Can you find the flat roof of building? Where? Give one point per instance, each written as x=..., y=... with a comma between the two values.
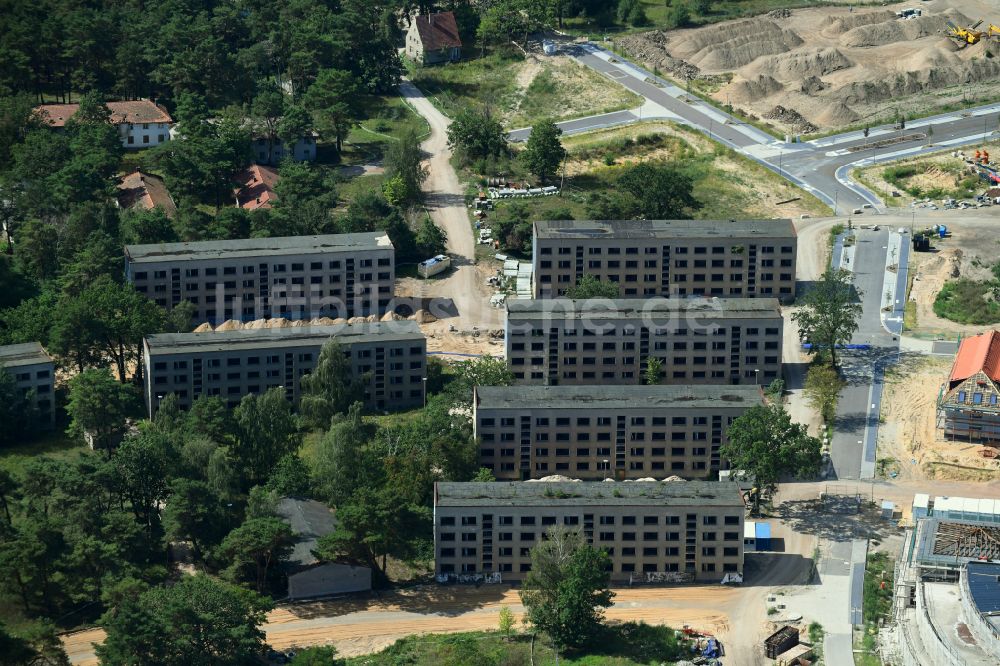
x=618, y=397
x=639, y=308
x=571, y=493
x=665, y=229
x=257, y=247
x=28, y=353
x=280, y=338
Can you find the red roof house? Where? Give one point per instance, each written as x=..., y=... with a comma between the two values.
x=433, y=38
x=145, y=191
x=256, y=188
x=141, y=123
x=969, y=403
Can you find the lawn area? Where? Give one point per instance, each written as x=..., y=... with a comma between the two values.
x=877, y=605
x=522, y=91
x=384, y=118
x=55, y=444
x=727, y=185
x=625, y=645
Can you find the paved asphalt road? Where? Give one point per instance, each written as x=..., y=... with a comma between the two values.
x=818, y=166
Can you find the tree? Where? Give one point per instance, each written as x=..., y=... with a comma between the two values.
x=653, y=374
x=660, y=192
x=431, y=239
x=305, y=198
x=341, y=465
x=631, y=12
x=257, y=543
x=372, y=525
x=199, y=621
x=36, y=644
x=830, y=312
x=589, y=286
x=333, y=99
x=98, y=406
x=823, y=385
x=765, y=445
x=265, y=431
x=143, y=466
x=331, y=388
x=290, y=477
x=483, y=371
x=544, y=152
x=403, y=158
x=484, y=475
x=194, y=513
x=475, y=134
x=292, y=126
x=506, y=623
x=679, y=15
x=567, y=588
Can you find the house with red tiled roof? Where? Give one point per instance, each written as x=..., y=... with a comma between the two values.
x=433, y=38
x=145, y=191
x=968, y=405
x=141, y=123
x=256, y=187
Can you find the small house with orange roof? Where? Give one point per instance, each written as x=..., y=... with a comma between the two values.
x=969, y=402
x=256, y=187
x=145, y=191
x=433, y=39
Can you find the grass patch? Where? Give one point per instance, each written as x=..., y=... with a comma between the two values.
x=566, y=89
x=384, y=118
x=628, y=644
x=968, y=301
x=55, y=444
x=455, y=85
x=835, y=231
x=876, y=607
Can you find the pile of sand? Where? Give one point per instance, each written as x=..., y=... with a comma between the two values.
x=917, y=82
x=742, y=91
x=741, y=44
x=800, y=64
x=894, y=30
x=838, y=25
x=837, y=114
x=790, y=118
x=204, y=328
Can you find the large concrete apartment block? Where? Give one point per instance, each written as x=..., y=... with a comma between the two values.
x=648, y=528
x=34, y=375
x=724, y=258
x=232, y=364
x=598, y=341
x=296, y=277
x=600, y=432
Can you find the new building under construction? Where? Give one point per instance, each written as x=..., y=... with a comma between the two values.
x=968, y=406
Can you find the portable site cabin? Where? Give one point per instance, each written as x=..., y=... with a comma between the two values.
x=921, y=505
x=756, y=536
x=434, y=265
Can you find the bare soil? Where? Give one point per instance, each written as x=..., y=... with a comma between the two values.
x=827, y=68
x=910, y=435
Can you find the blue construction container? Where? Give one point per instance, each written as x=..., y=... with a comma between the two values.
x=763, y=536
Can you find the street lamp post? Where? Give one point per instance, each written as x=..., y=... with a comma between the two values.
x=424, y=382
x=607, y=467
x=756, y=376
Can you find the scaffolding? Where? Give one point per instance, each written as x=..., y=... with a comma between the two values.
x=965, y=541
x=963, y=423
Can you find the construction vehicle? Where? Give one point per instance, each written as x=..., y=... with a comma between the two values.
x=966, y=36
x=994, y=31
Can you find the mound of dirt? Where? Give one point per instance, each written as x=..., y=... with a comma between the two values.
x=838, y=25
x=743, y=91
x=714, y=50
x=894, y=30
x=651, y=48
x=917, y=82
x=836, y=114
x=791, y=118
x=802, y=63
x=204, y=328
x=813, y=85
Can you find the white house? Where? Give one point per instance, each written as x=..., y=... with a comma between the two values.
x=141, y=123
x=304, y=150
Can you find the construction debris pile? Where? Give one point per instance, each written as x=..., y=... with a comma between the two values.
x=826, y=68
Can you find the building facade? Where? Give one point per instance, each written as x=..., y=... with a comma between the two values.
x=691, y=530
x=968, y=407
x=274, y=150
x=598, y=341
x=296, y=277
x=724, y=258
x=433, y=39
x=34, y=376
x=391, y=356
x=141, y=123
x=600, y=432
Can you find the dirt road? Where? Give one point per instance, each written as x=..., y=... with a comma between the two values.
x=462, y=295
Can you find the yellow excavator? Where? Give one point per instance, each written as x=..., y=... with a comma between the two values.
x=967, y=35
x=994, y=31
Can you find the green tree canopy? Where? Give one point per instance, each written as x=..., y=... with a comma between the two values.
x=566, y=591
x=331, y=388
x=590, y=286
x=830, y=312
x=256, y=544
x=660, y=192
x=544, y=152
x=475, y=134
x=99, y=405
x=265, y=431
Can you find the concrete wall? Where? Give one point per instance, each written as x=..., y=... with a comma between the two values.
x=37, y=380
x=327, y=579
x=143, y=135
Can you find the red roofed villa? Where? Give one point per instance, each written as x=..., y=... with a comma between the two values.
x=141, y=123
x=969, y=403
x=256, y=187
x=146, y=191
x=433, y=38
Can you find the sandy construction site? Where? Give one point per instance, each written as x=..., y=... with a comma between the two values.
x=809, y=70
